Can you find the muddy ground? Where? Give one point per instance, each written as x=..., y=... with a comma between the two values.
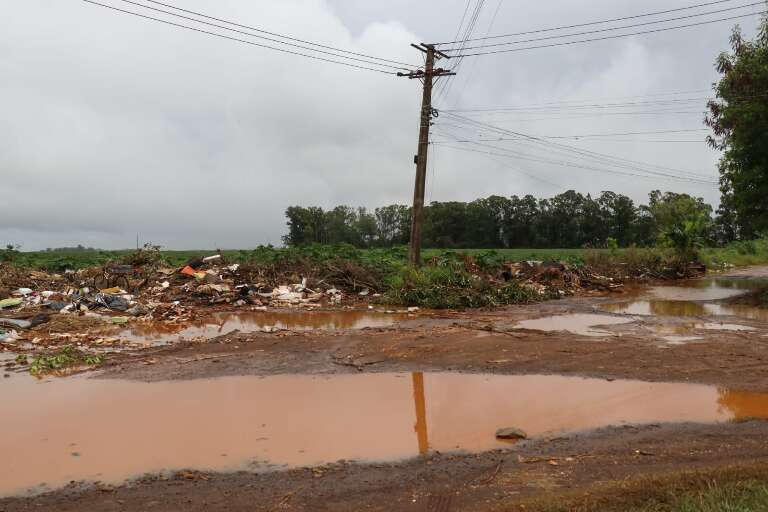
x=648, y=348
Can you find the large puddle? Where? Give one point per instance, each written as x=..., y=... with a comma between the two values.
x=108, y=430
x=255, y=321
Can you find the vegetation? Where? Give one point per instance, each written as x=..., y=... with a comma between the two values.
x=569, y=219
x=742, y=488
x=64, y=357
x=449, y=282
x=739, y=121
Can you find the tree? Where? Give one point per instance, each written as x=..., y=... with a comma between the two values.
x=518, y=226
x=739, y=121
x=305, y=225
x=682, y=222
x=620, y=215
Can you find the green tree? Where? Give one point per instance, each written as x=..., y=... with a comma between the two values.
x=518, y=226
x=682, y=222
x=620, y=216
x=739, y=121
x=305, y=225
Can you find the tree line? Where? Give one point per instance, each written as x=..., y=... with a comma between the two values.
x=566, y=220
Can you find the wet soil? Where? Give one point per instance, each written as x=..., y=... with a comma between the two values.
x=699, y=336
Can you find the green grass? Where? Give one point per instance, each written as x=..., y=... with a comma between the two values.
x=749, y=496
x=739, y=488
x=738, y=254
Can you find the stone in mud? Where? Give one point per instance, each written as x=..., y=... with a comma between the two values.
x=511, y=433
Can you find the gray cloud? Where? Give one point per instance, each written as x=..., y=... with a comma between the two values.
x=111, y=125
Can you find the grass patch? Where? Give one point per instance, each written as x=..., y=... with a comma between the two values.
x=730, y=489
x=752, y=252
x=66, y=357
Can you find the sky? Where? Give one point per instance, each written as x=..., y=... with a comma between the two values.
x=113, y=126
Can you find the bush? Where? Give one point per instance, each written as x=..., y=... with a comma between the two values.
x=452, y=287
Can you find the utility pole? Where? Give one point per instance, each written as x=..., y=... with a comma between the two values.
x=427, y=76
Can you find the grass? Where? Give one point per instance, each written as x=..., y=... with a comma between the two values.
x=754, y=252
x=746, y=496
x=738, y=254
x=742, y=488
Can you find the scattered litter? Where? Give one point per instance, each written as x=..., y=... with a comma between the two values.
x=10, y=303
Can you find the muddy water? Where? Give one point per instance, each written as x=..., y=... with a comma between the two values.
x=696, y=299
x=585, y=325
x=253, y=321
x=85, y=429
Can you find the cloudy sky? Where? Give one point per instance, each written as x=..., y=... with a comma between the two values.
x=112, y=125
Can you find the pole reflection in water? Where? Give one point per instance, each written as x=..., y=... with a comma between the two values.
x=421, y=412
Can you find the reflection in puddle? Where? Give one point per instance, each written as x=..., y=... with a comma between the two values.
x=690, y=299
x=685, y=309
x=585, y=325
x=122, y=429
x=251, y=321
x=706, y=289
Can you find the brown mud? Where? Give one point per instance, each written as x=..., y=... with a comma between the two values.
x=695, y=335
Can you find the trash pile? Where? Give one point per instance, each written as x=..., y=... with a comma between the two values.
x=556, y=276
x=119, y=294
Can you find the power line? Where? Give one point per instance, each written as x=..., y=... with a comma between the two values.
x=603, y=30
x=579, y=166
x=582, y=107
x=366, y=61
x=592, y=115
x=283, y=50
x=202, y=15
x=474, y=62
x=592, y=135
x=605, y=38
x=467, y=34
x=582, y=152
x=580, y=139
x=565, y=27
x=526, y=156
x=615, y=98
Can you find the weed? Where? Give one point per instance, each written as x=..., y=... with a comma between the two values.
x=65, y=357
x=446, y=284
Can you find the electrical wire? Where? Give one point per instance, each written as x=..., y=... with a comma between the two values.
x=366, y=61
x=252, y=43
x=202, y=15
x=591, y=23
x=601, y=157
x=605, y=38
x=603, y=30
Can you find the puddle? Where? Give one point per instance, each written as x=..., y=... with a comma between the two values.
x=680, y=340
x=685, y=309
x=706, y=289
x=583, y=324
x=108, y=430
x=691, y=300
x=157, y=333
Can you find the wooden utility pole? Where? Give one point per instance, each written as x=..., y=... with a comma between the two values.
x=427, y=75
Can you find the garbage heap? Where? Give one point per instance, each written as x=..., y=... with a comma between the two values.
x=117, y=293
x=558, y=277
